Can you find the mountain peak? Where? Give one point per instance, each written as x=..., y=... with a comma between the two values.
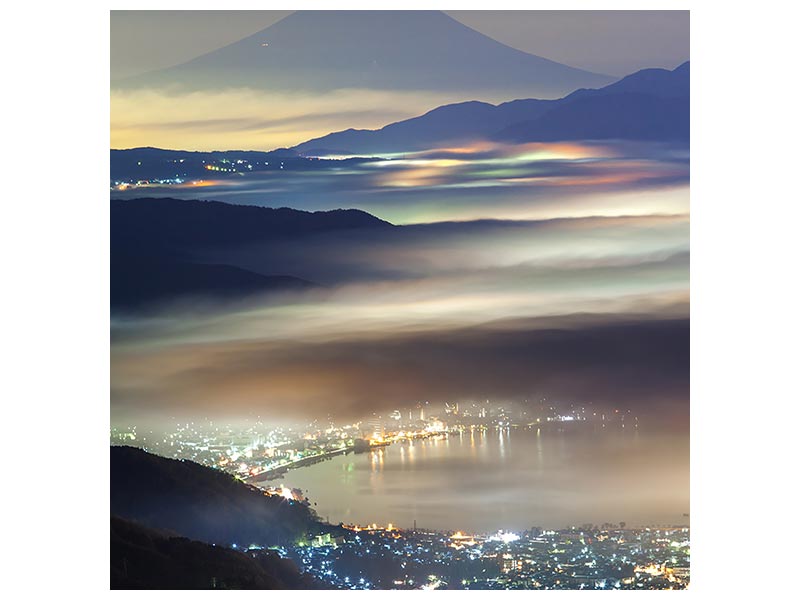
x=389, y=50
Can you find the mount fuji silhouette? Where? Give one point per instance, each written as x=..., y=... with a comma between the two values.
x=385, y=50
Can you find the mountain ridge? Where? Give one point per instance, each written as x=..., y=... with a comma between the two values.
x=201, y=503
x=448, y=124
x=180, y=223
x=154, y=242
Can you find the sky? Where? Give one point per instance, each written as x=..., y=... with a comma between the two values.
x=612, y=43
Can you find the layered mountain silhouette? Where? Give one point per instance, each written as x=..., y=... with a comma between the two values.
x=387, y=50
x=657, y=82
x=450, y=124
x=652, y=104
x=615, y=116
x=154, y=242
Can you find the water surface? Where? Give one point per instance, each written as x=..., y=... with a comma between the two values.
x=508, y=479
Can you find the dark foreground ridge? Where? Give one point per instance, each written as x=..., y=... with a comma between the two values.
x=145, y=558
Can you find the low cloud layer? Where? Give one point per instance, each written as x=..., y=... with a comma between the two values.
x=615, y=362
x=590, y=310
x=491, y=250
x=477, y=181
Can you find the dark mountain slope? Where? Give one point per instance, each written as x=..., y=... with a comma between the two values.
x=202, y=503
x=142, y=283
x=147, y=225
x=144, y=558
x=153, y=243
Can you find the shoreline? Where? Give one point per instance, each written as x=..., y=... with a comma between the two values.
x=278, y=472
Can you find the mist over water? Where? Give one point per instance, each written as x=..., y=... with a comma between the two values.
x=482, y=481
x=474, y=181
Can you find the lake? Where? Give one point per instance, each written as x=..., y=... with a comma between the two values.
x=513, y=478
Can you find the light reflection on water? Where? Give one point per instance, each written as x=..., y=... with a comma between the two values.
x=508, y=479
